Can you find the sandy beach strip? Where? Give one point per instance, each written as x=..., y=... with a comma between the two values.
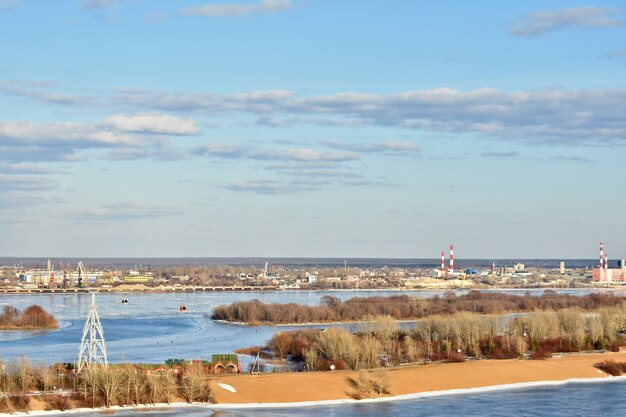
x=301, y=389
x=305, y=387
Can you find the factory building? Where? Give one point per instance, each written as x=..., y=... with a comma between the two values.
x=608, y=275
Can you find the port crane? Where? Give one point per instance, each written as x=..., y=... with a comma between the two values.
x=82, y=275
x=68, y=270
x=50, y=273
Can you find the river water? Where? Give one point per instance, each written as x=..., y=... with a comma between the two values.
x=586, y=399
x=150, y=329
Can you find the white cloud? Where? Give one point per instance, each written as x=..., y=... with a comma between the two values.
x=573, y=116
x=294, y=154
x=79, y=134
x=547, y=116
x=542, y=22
x=270, y=187
x=123, y=211
x=25, y=183
x=303, y=154
x=257, y=101
x=153, y=123
x=405, y=148
x=238, y=9
x=502, y=154
x=131, y=137
x=25, y=168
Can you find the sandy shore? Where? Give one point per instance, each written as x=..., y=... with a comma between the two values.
x=321, y=386
x=314, y=388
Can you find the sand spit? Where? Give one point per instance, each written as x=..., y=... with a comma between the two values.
x=322, y=386
x=405, y=383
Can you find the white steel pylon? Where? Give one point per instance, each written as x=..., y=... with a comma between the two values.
x=93, y=350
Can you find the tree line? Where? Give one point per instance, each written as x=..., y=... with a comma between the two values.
x=33, y=317
x=454, y=338
x=98, y=386
x=404, y=307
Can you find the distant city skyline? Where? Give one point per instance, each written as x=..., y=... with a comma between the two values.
x=286, y=128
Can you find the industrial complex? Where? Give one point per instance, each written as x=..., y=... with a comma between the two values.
x=604, y=274
x=210, y=277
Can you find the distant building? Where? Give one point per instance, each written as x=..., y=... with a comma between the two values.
x=137, y=279
x=220, y=364
x=608, y=275
x=42, y=276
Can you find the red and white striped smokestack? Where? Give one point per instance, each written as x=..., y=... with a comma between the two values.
x=606, y=261
x=601, y=254
x=443, y=261
x=451, y=259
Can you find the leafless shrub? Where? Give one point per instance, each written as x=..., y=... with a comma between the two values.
x=612, y=367
x=58, y=402
x=361, y=385
x=369, y=385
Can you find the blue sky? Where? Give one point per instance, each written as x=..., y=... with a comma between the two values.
x=312, y=128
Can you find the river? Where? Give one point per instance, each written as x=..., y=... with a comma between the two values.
x=150, y=329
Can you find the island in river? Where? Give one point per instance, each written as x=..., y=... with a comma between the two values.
x=32, y=318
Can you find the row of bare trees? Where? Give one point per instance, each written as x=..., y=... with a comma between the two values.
x=455, y=337
x=402, y=307
x=129, y=385
x=95, y=387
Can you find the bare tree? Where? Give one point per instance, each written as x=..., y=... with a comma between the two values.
x=192, y=386
x=109, y=382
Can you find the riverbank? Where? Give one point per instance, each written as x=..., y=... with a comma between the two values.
x=140, y=288
x=323, y=386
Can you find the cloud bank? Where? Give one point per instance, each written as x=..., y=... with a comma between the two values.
x=31, y=141
x=550, y=116
x=539, y=23
x=153, y=123
x=546, y=116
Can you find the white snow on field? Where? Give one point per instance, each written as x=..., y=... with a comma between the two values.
x=226, y=387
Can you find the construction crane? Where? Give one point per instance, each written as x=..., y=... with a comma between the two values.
x=50, y=273
x=82, y=275
x=71, y=277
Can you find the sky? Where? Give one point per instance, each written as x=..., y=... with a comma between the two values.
x=312, y=128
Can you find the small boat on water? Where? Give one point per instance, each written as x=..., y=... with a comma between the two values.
x=124, y=300
x=182, y=308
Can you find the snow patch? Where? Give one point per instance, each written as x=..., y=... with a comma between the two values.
x=226, y=387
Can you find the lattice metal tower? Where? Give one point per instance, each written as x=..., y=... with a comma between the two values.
x=93, y=350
